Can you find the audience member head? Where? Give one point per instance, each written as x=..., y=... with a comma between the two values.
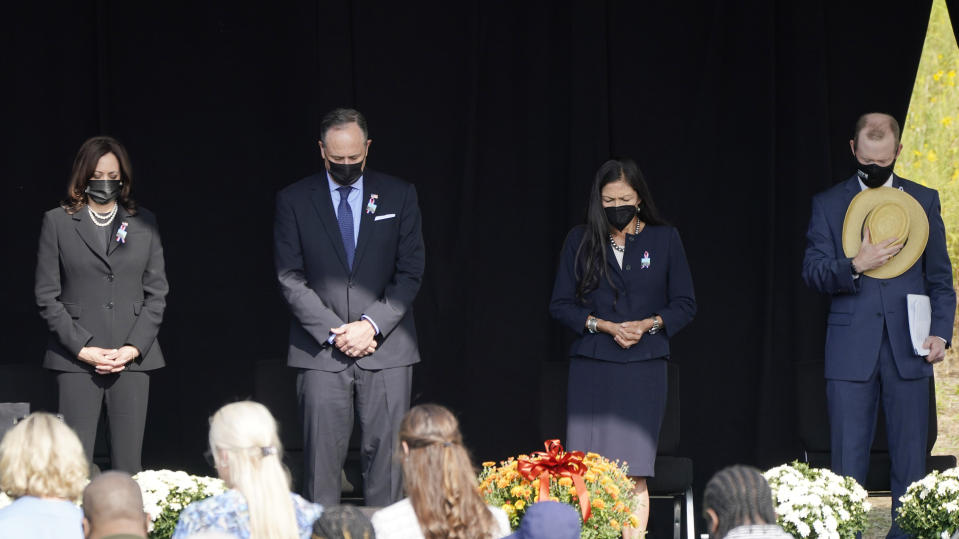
x=438, y=476
x=343, y=522
x=42, y=457
x=113, y=504
x=247, y=453
x=549, y=520
x=737, y=496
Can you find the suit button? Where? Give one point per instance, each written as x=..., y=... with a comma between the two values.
x=627, y=267
x=110, y=277
x=632, y=238
x=878, y=314
x=109, y=305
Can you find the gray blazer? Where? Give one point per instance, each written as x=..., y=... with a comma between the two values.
x=323, y=293
x=89, y=297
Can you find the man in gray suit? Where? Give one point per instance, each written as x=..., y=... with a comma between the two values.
x=349, y=258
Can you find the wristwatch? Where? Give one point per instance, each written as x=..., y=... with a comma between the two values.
x=656, y=326
x=852, y=268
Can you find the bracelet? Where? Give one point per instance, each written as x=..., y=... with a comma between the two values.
x=656, y=326
x=591, y=324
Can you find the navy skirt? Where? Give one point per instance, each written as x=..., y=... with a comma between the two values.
x=616, y=410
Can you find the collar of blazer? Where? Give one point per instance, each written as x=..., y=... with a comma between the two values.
x=86, y=232
x=323, y=203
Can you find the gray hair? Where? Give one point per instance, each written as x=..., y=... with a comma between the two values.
x=339, y=117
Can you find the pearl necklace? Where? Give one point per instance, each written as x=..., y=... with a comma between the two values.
x=623, y=248
x=102, y=219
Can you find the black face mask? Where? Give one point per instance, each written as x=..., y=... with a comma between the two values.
x=103, y=191
x=620, y=216
x=345, y=174
x=874, y=175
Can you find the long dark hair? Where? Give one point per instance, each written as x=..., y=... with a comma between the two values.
x=591, y=255
x=85, y=164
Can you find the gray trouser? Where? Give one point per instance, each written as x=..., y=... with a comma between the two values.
x=125, y=393
x=327, y=401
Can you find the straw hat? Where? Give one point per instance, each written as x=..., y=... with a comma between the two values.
x=888, y=213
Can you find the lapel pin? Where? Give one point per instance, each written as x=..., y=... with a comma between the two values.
x=645, y=261
x=122, y=232
x=371, y=205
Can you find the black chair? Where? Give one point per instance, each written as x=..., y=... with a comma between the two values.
x=674, y=474
x=275, y=388
x=814, y=429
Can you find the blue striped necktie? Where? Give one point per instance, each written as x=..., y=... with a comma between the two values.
x=344, y=215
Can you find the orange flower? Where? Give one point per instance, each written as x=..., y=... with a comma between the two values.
x=619, y=507
x=614, y=524
x=489, y=464
x=598, y=503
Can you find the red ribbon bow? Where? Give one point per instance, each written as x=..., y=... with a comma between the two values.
x=556, y=462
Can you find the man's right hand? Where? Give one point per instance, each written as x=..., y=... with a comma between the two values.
x=873, y=255
x=98, y=357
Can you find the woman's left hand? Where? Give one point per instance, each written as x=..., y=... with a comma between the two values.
x=125, y=354
x=635, y=330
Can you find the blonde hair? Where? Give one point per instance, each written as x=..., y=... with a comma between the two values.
x=41, y=456
x=439, y=477
x=247, y=450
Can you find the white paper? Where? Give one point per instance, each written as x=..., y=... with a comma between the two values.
x=920, y=319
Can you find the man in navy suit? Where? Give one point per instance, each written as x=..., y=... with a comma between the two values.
x=869, y=353
x=349, y=256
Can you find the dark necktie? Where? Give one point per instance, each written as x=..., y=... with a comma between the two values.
x=344, y=215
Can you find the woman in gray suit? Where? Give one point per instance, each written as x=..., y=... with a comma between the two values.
x=101, y=288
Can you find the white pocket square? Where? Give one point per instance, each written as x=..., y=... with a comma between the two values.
x=387, y=216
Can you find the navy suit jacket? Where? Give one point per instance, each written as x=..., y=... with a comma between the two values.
x=323, y=293
x=665, y=288
x=860, y=307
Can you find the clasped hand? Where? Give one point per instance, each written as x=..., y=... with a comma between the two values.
x=108, y=361
x=626, y=334
x=356, y=339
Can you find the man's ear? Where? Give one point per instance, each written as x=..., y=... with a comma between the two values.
x=86, y=527
x=146, y=522
x=713, y=523
x=852, y=147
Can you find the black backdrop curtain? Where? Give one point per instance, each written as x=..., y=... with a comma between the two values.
x=500, y=113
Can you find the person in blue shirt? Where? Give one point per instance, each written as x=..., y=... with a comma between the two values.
x=42, y=466
x=624, y=286
x=248, y=457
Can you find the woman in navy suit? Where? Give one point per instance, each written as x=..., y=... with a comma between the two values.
x=101, y=288
x=624, y=286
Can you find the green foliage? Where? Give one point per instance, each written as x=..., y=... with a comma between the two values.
x=930, y=507
x=930, y=140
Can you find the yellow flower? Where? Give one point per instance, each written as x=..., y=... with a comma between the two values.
x=619, y=507
x=517, y=491
x=508, y=508
x=931, y=156
x=917, y=153
x=614, y=524
x=613, y=491
x=951, y=74
x=589, y=476
x=633, y=521
x=519, y=505
x=565, y=482
x=598, y=503
x=937, y=75
x=489, y=464
x=502, y=482
x=955, y=174
x=946, y=121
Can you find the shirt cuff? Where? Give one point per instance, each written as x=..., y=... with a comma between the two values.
x=331, y=339
x=376, y=328
x=944, y=341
